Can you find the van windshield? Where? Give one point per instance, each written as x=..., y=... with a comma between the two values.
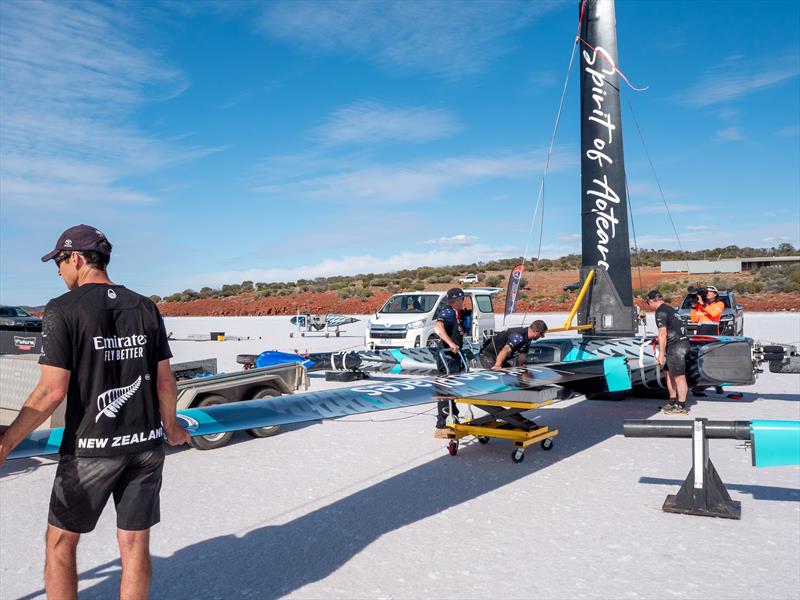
x=410, y=303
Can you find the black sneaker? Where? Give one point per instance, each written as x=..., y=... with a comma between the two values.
x=669, y=408
x=680, y=409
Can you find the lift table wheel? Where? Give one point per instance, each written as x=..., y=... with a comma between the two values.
x=452, y=448
x=547, y=444
x=518, y=455
x=483, y=439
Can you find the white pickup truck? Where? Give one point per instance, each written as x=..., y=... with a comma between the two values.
x=406, y=320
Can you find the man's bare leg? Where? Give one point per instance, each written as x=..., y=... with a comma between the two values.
x=670, y=386
x=682, y=387
x=60, y=565
x=134, y=550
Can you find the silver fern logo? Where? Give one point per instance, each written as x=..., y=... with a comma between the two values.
x=110, y=402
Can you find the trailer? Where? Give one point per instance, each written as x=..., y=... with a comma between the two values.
x=198, y=384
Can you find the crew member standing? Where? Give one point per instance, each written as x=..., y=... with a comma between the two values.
x=707, y=311
x=673, y=348
x=449, y=326
x=509, y=346
x=106, y=349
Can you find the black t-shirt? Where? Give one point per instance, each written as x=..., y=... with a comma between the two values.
x=516, y=337
x=452, y=324
x=666, y=316
x=111, y=340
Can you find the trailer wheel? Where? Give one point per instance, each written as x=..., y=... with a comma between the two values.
x=483, y=439
x=262, y=432
x=452, y=448
x=518, y=455
x=433, y=341
x=547, y=444
x=217, y=440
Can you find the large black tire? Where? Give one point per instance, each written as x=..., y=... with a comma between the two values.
x=433, y=341
x=262, y=432
x=218, y=440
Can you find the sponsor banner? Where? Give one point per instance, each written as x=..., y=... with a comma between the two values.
x=513, y=289
x=20, y=342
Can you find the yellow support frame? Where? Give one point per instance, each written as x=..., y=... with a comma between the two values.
x=568, y=323
x=522, y=438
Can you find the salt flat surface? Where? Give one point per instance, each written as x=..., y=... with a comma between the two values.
x=371, y=506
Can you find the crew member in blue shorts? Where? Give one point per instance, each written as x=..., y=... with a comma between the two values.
x=450, y=327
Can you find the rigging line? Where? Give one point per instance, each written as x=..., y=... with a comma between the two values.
x=633, y=230
x=655, y=175
x=539, y=200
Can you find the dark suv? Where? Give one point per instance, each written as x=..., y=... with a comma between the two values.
x=14, y=318
x=730, y=323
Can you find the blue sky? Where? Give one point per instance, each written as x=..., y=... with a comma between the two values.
x=215, y=142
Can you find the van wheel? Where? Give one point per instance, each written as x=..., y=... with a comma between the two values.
x=262, y=432
x=433, y=341
x=217, y=440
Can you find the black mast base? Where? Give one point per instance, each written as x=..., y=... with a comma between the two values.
x=712, y=500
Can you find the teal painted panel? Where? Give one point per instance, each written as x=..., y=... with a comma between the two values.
x=618, y=377
x=776, y=443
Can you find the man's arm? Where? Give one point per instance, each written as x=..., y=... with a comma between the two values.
x=501, y=357
x=521, y=358
x=439, y=327
x=167, y=403
x=662, y=345
x=43, y=401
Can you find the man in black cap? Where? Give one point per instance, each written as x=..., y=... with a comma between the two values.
x=106, y=349
x=449, y=326
x=510, y=346
x=673, y=348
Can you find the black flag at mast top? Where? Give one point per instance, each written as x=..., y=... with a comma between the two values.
x=604, y=203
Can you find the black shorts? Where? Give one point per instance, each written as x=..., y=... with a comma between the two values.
x=83, y=485
x=676, y=358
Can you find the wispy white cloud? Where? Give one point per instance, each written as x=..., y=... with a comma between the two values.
x=457, y=240
x=72, y=77
x=730, y=134
x=737, y=77
x=415, y=181
x=366, y=263
x=436, y=36
x=367, y=122
x=701, y=227
x=569, y=237
x=788, y=131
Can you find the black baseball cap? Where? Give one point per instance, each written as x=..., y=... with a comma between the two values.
x=653, y=295
x=79, y=238
x=455, y=293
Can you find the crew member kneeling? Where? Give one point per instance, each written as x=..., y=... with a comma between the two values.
x=511, y=346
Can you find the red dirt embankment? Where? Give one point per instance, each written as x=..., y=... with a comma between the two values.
x=544, y=293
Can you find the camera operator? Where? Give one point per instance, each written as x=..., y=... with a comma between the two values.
x=707, y=310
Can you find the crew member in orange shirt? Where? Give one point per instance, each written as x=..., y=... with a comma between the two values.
x=707, y=311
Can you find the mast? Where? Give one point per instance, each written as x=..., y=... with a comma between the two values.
x=604, y=202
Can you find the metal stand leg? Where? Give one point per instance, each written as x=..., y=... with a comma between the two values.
x=703, y=492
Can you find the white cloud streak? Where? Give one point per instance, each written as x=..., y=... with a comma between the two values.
x=730, y=134
x=448, y=39
x=737, y=77
x=417, y=181
x=460, y=239
x=72, y=75
x=369, y=122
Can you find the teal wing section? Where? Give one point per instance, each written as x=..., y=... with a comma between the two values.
x=598, y=374
x=775, y=443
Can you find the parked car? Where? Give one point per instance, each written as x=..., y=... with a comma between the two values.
x=732, y=320
x=406, y=320
x=18, y=319
x=470, y=278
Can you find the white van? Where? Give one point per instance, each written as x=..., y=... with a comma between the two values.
x=406, y=320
